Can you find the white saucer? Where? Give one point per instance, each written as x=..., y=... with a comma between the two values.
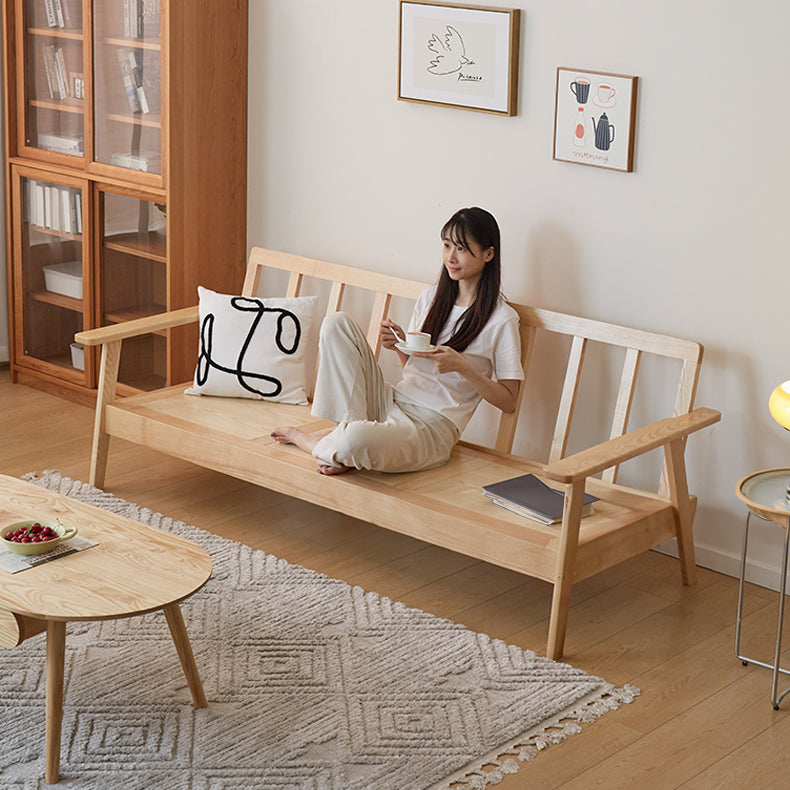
x=409, y=350
x=605, y=104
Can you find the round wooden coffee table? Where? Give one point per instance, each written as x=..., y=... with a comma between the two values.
x=134, y=569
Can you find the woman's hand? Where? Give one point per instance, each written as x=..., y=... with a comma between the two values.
x=447, y=360
x=502, y=394
x=387, y=330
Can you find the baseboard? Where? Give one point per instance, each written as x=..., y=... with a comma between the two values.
x=729, y=564
x=5, y=354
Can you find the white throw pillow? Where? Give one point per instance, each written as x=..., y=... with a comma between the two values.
x=253, y=347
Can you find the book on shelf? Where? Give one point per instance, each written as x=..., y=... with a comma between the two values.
x=59, y=13
x=63, y=13
x=67, y=226
x=77, y=84
x=55, y=71
x=132, y=73
x=49, y=219
x=528, y=496
x=49, y=8
x=128, y=63
x=54, y=207
x=63, y=83
x=47, y=70
x=68, y=211
x=40, y=219
x=30, y=200
x=146, y=161
x=77, y=199
x=151, y=18
x=141, y=17
x=62, y=144
x=127, y=26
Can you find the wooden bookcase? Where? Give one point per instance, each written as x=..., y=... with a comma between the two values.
x=126, y=165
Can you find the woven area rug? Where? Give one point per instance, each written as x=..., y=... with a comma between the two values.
x=311, y=684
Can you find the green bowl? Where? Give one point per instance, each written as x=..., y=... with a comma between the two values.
x=64, y=533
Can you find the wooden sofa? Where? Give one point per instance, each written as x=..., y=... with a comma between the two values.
x=442, y=506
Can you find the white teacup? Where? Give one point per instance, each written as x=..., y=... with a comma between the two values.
x=418, y=341
x=605, y=92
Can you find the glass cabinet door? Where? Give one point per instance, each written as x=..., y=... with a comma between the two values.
x=127, y=74
x=133, y=281
x=50, y=276
x=54, y=78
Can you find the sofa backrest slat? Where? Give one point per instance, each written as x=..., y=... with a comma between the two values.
x=335, y=297
x=381, y=306
x=294, y=284
x=622, y=408
x=570, y=389
x=509, y=422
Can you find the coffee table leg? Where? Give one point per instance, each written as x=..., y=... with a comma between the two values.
x=178, y=631
x=56, y=653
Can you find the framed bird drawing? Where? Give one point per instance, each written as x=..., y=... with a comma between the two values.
x=459, y=55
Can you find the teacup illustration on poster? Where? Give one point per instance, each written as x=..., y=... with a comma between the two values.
x=594, y=118
x=605, y=95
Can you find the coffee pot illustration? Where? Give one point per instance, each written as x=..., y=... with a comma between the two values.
x=604, y=132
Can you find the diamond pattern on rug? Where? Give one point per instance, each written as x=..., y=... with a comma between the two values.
x=312, y=684
x=157, y=736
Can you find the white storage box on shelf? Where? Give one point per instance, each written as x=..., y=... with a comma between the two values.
x=64, y=278
x=78, y=356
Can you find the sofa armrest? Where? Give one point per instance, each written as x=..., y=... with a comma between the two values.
x=138, y=326
x=630, y=445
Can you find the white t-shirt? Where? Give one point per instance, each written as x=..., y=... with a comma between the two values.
x=495, y=352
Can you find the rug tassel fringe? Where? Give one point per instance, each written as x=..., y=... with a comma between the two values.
x=492, y=770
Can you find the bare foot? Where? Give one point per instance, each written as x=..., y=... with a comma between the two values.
x=304, y=441
x=326, y=469
x=307, y=441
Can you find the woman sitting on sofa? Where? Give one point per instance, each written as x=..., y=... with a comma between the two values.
x=476, y=355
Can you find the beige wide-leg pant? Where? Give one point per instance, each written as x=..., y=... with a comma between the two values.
x=374, y=430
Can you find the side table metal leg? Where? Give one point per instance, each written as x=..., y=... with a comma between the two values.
x=175, y=621
x=775, y=699
x=741, y=582
x=56, y=653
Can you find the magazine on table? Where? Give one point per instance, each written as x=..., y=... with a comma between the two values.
x=13, y=563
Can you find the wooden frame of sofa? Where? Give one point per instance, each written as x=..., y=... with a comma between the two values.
x=441, y=506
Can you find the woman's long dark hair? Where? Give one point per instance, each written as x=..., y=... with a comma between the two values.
x=467, y=224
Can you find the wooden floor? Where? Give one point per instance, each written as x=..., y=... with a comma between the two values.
x=703, y=720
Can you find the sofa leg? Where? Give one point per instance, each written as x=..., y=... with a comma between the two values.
x=108, y=379
x=558, y=622
x=679, y=495
x=101, y=442
x=566, y=568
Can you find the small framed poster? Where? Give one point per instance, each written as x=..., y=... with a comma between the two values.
x=459, y=56
x=594, y=118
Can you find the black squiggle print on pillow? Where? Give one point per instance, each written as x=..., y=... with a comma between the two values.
x=247, y=304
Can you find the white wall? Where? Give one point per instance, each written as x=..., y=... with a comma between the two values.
x=693, y=243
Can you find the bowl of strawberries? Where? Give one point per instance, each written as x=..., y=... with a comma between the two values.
x=34, y=536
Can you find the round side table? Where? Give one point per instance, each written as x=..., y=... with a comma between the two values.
x=764, y=494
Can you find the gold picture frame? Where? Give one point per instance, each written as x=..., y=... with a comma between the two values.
x=463, y=56
x=595, y=118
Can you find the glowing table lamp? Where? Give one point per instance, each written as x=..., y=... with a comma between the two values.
x=779, y=405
